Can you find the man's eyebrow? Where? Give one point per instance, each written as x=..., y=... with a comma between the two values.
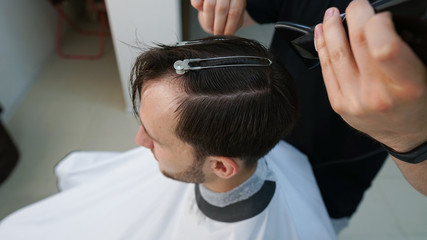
x=149, y=134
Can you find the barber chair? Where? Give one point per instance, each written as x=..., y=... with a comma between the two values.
x=99, y=9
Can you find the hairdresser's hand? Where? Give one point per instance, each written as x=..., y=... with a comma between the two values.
x=375, y=81
x=220, y=17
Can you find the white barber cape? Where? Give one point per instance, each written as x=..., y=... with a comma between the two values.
x=106, y=195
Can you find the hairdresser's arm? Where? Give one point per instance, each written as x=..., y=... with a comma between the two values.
x=375, y=82
x=222, y=17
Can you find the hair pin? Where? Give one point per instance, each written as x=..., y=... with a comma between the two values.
x=193, y=42
x=183, y=66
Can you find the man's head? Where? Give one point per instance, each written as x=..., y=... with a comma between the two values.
x=237, y=113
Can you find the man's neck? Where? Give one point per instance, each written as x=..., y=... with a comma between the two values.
x=243, y=201
x=221, y=185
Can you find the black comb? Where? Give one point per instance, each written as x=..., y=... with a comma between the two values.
x=409, y=18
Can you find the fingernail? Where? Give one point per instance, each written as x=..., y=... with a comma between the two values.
x=318, y=33
x=329, y=13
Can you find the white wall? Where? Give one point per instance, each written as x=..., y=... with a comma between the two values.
x=27, y=40
x=143, y=21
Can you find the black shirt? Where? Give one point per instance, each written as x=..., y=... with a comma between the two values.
x=344, y=160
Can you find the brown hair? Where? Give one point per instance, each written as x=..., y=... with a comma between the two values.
x=239, y=112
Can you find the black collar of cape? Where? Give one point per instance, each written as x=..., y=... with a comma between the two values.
x=238, y=211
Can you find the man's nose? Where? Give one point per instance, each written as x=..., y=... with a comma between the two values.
x=142, y=139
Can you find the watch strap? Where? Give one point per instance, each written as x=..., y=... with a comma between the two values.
x=415, y=155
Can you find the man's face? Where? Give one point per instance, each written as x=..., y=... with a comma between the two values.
x=158, y=121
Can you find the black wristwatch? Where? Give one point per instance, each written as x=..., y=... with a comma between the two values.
x=416, y=155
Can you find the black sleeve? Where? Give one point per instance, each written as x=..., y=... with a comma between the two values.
x=309, y=12
x=264, y=11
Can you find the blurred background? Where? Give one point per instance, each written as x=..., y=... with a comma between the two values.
x=63, y=86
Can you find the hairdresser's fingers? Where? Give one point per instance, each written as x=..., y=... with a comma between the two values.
x=357, y=14
x=208, y=15
x=373, y=94
x=221, y=14
x=203, y=20
x=331, y=83
x=392, y=55
x=235, y=16
x=202, y=23
x=339, y=51
x=197, y=4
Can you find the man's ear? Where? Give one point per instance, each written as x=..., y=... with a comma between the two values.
x=224, y=167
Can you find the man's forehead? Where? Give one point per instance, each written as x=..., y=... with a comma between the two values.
x=158, y=110
x=158, y=102
x=167, y=84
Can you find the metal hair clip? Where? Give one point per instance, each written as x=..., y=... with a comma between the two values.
x=183, y=66
x=193, y=42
